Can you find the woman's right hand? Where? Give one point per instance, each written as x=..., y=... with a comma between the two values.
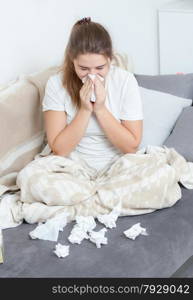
x=85, y=95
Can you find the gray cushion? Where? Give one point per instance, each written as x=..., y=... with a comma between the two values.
x=180, y=85
x=181, y=137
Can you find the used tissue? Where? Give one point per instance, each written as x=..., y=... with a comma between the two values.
x=61, y=250
x=77, y=235
x=80, y=229
x=134, y=231
x=109, y=220
x=98, y=237
x=50, y=229
x=86, y=223
x=92, y=76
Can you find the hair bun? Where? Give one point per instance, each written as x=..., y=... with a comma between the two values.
x=84, y=21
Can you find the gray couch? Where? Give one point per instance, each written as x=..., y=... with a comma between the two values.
x=160, y=254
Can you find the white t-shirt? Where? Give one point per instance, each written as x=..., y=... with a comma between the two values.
x=123, y=101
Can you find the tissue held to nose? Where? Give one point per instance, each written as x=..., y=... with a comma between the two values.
x=92, y=77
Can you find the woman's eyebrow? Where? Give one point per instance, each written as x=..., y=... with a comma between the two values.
x=88, y=68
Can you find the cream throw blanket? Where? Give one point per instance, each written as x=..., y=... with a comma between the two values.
x=142, y=182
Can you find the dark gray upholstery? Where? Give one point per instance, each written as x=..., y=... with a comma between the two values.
x=186, y=270
x=181, y=138
x=168, y=245
x=180, y=85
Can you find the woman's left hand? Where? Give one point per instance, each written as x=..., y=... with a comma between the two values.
x=100, y=94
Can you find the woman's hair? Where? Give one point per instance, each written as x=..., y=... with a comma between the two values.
x=86, y=37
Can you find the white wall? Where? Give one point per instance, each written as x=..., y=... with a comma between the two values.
x=34, y=33
x=175, y=42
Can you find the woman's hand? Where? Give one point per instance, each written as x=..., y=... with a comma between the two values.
x=85, y=94
x=100, y=94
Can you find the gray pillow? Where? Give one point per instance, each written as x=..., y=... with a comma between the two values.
x=181, y=137
x=180, y=85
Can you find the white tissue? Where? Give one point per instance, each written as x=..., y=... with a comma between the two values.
x=86, y=223
x=98, y=237
x=61, y=250
x=50, y=229
x=92, y=76
x=60, y=220
x=134, y=231
x=77, y=235
x=109, y=220
x=80, y=229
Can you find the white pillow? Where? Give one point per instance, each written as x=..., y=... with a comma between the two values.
x=161, y=111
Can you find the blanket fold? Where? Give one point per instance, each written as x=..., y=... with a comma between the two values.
x=142, y=182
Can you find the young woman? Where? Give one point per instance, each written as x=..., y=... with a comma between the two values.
x=91, y=167
x=86, y=168
x=97, y=132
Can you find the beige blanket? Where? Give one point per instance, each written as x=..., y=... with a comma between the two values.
x=142, y=182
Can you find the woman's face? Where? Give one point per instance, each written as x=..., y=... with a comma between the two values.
x=96, y=64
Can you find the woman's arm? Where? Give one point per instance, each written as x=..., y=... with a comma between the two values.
x=126, y=136
x=63, y=138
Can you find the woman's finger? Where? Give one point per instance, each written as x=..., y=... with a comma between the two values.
x=88, y=87
x=85, y=87
x=86, y=94
x=86, y=84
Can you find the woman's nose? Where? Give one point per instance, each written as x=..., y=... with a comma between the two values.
x=93, y=71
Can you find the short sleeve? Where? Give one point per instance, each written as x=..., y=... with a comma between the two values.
x=53, y=99
x=131, y=104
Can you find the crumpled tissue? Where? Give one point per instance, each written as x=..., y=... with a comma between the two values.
x=86, y=223
x=134, y=231
x=109, y=219
x=80, y=229
x=98, y=237
x=77, y=235
x=50, y=229
x=61, y=250
x=92, y=76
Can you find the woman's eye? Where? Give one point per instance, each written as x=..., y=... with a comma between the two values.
x=100, y=68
